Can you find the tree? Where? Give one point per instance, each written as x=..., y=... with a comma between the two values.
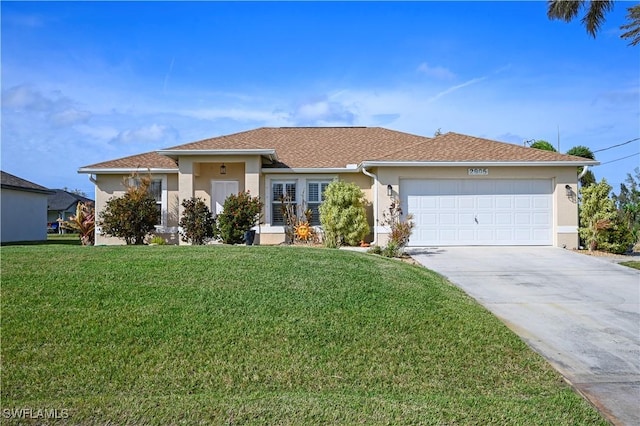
x=600, y=226
x=197, y=222
x=584, y=152
x=83, y=223
x=343, y=215
x=628, y=203
x=544, y=145
x=633, y=26
x=239, y=214
x=593, y=19
x=133, y=215
x=76, y=191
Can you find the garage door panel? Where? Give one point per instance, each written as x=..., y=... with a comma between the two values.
x=541, y=219
x=485, y=202
x=466, y=218
x=504, y=219
x=484, y=219
x=479, y=212
x=522, y=202
x=427, y=218
x=447, y=219
x=541, y=202
x=466, y=203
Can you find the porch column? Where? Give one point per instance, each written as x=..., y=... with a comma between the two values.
x=185, y=185
x=252, y=176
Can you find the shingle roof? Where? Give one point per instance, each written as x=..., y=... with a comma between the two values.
x=10, y=181
x=329, y=147
x=147, y=160
x=61, y=200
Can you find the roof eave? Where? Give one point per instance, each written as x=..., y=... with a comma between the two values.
x=175, y=153
x=122, y=170
x=25, y=189
x=478, y=163
x=308, y=170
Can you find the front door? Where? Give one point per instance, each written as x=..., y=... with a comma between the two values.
x=220, y=190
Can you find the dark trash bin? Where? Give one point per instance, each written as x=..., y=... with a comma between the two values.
x=249, y=236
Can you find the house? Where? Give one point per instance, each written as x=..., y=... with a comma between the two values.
x=61, y=206
x=461, y=190
x=23, y=209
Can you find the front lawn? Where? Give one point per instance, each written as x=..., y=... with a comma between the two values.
x=632, y=264
x=260, y=335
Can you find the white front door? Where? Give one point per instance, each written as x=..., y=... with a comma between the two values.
x=220, y=190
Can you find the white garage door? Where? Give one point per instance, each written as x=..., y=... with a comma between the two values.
x=479, y=211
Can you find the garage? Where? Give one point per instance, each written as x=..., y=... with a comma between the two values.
x=450, y=212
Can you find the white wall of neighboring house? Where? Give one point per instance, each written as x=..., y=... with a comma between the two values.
x=23, y=216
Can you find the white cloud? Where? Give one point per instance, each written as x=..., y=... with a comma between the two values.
x=25, y=98
x=153, y=133
x=69, y=117
x=322, y=111
x=438, y=72
x=456, y=87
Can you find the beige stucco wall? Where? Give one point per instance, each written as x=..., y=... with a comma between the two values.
x=111, y=185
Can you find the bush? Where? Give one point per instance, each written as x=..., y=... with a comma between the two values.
x=375, y=250
x=158, y=240
x=133, y=215
x=343, y=215
x=401, y=229
x=600, y=225
x=197, y=222
x=84, y=223
x=239, y=214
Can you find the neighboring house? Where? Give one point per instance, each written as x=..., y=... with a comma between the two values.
x=461, y=190
x=61, y=206
x=23, y=210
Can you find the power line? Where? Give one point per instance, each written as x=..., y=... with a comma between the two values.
x=618, y=159
x=615, y=146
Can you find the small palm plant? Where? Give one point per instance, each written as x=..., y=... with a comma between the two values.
x=84, y=223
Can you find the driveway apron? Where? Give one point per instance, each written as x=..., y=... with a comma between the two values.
x=581, y=313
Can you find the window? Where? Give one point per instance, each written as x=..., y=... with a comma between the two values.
x=315, y=197
x=281, y=191
x=155, y=190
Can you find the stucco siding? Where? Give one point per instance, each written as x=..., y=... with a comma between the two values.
x=112, y=185
x=24, y=216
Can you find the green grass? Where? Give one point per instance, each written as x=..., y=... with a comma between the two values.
x=261, y=335
x=635, y=264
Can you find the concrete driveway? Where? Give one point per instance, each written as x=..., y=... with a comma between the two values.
x=579, y=312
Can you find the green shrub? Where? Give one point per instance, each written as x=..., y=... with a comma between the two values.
x=374, y=249
x=133, y=215
x=197, y=222
x=158, y=241
x=600, y=225
x=343, y=215
x=239, y=214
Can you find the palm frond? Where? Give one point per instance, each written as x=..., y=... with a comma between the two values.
x=633, y=26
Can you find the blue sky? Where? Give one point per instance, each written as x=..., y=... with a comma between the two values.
x=85, y=82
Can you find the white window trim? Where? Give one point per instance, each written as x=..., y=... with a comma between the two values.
x=301, y=183
x=270, y=201
x=319, y=182
x=164, y=206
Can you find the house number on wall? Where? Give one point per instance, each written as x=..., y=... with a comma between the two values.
x=478, y=172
